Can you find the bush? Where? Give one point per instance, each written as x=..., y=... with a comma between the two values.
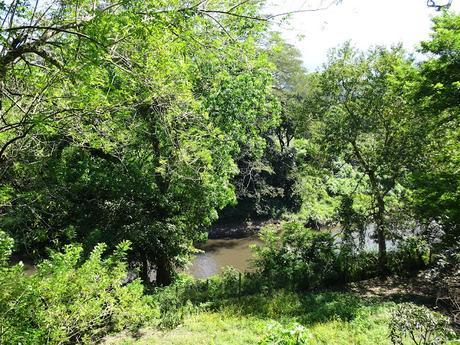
x=447, y=264
x=417, y=324
x=292, y=334
x=357, y=265
x=412, y=255
x=177, y=300
x=301, y=258
x=67, y=300
x=298, y=256
x=445, y=274
x=189, y=296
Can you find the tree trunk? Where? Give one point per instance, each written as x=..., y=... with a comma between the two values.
x=164, y=272
x=145, y=269
x=381, y=236
x=379, y=219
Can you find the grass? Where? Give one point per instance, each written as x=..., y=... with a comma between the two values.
x=205, y=328
x=331, y=318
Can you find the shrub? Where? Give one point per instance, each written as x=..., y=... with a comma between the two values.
x=417, y=324
x=411, y=255
x=292, y=334
x=67, y=300
x=357, y=265
x=445, y=274
x=301, y=258
x=447, y=264
x=175, y=301
x=298, y=256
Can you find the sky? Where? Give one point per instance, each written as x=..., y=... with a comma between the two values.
x=364, y=22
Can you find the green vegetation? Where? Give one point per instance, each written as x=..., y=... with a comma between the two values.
x=67, y=300
x=282, y=318
x=367, y=120
x=128, y=128
x=418, y=324
x=303, y=259
x=129, y=131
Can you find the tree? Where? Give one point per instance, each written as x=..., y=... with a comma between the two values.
x=436, y=181
x=265, y=183
x=291, y=87
x=365, y=117
x=138, y=118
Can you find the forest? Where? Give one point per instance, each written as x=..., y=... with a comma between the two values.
x=130, y=129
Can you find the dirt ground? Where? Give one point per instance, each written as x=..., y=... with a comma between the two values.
x=420, y=289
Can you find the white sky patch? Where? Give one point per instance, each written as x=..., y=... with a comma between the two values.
x=365, y=22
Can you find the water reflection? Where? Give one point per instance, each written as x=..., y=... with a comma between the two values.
x=367, y=242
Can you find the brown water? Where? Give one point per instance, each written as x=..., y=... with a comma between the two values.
x=221, y=253
x=218, y=254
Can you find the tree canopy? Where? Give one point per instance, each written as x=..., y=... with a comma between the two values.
x=121, y=121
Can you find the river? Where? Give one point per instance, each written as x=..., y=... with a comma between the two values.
x=221, y=253
x=217, y=254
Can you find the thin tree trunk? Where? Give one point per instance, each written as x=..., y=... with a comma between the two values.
x=379, y=219
x=145, y=269
x=381, y=236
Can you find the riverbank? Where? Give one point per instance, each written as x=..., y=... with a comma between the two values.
x=238, y=229
x=357, y=313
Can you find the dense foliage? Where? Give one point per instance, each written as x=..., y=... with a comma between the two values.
x=139, y=124
x=418, y=325
x=68, y=300
x=265, y=182
x=377, y=143
x=436, y=182
x=301, y=258
x=365, y=118
x=120, y=123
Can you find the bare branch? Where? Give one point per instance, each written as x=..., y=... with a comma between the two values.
x=334, y=2
x=263, y=19
x=222, y=27
x=13, y=140
x=57, y=29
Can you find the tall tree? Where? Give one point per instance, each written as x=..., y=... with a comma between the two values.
x=121, y=121
x=436, y=181
x=265, y=183
x=365, y=116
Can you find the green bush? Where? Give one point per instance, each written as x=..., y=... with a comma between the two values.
x=418, y=325
x=177, y=300
x=357, y=265
x=69, y=300
x=411, y=256
x=298, y=256
x=292, y=334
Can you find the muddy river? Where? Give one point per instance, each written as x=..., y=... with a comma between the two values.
x=221, y=253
